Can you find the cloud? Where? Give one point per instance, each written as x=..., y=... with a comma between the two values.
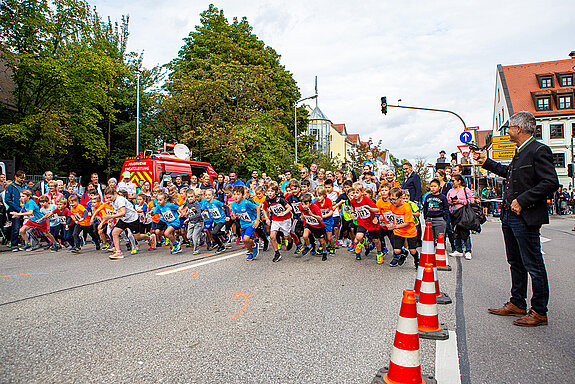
x=441, y=54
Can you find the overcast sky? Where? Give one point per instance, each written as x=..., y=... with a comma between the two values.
x=437, y=54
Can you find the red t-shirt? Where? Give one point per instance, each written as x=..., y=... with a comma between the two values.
x=63, y=215
x=276, y=207
x=310, y=220
x=364, y=215
x=325, y=207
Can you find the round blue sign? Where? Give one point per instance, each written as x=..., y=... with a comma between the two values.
x=465, y=137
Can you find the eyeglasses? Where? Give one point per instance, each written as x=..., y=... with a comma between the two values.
x=395, y=199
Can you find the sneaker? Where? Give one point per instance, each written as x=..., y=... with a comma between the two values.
x=456, y=253
x=98, y=247
x=279, y=246
x=134, y=251
x=351, y=248
x=277, y=257
x=152, y=242
x=25, y=247
x=15, y=249
x=106, y=246
x=298, y=249
x=177, y=248
x=55, y=248
x=394, y=261
x=385, y=251
x=369, y=248
x=256, y=252
x=379, y=257
x=209, y=246
x=220, y=249
x=359, y=246
x=167, y=241
x=337, y=244
x=305, y=250
x=416, y=262
x=82, y=242
x=75, y=250
x=313, y=251
x=250, y=256
x=402, y=259
x=116, y=255
x=289, y=245
x=196, y=252
x=324, y=256
x=266, y=246
x=467, y=255
x=358, y=256
x=331, y=251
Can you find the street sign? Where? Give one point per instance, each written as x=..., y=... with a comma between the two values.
x=501, y=139
x=500, y=146
x=503, y=154
x=472, y=128
x=465, y=137
x=464, y=149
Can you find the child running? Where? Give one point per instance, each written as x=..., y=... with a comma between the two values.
x=403, y=229
x=248, y=214
x=35, y=220
x=280, y=215
x=313, y=224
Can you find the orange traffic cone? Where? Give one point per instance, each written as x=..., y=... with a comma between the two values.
x=440, y=256
x=428, y=256
x=404, y=365
x=427, y=317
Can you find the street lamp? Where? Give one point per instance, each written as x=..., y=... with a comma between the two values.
x=138, y=112
x=295, y=120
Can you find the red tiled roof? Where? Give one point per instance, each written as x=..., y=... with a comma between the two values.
x=522, y=82
x=340, y=128
x=353, y=138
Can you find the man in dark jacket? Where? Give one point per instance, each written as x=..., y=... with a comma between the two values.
x=12, y=200
x=411, y=182
x=529, y=179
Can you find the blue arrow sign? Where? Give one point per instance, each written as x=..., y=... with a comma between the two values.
x=465, y=137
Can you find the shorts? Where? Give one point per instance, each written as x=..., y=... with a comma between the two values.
x=372, y=232
x=161, y=226
x=208, y=225
x=337, y=221
x=248, y=231
x=318, y=233
x=182, y=225
x=283, y=226
x=42, y=227
x=297, y=228
x=328, y=225
x=399, y=241
x=133, y=226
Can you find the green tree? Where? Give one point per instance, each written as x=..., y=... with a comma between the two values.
x=358, y=155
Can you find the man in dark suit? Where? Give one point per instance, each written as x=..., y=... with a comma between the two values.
x=411, y=182
x=529, y=179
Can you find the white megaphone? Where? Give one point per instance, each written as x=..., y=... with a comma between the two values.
x=181, y=151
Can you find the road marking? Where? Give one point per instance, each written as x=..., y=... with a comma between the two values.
x=544, y=240
x=236, y=296
x=201, y=263
x=23, y=274
x=447, y=360
x=195, y=274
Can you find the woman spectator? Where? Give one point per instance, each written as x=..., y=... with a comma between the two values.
x=146, y=188
x=444, y=187
x=220, y=187
x=391, y=179
x=320, y=177
x=458, y=196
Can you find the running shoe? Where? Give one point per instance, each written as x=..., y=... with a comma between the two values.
x=369, y=248
x=279, y=246
x=134, y=251
x=379, y=257
x=167, y=242
x=98, y=247
x=177, y=248
x=250, y=256
x=298, y=249
x=385, y=251
x=394, y=261
x=26, y=247
x=359, y=247
x=402, y=258
x=55, y=248
x=351, y=248
x=324, y=256
x=277, y=257
x=196, y=252
x=305, y=250
x=313, y=251
x=116, y=255
x=75, y=250
x=289, y=245
x=152, y=242
x=266, y=246
x=358, y=256
x=331, y=251
x=256, y=252
x=220, y=249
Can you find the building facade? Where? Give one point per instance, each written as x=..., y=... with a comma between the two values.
x=546, y=89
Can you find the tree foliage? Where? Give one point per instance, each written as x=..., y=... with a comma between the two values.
x=358, y=155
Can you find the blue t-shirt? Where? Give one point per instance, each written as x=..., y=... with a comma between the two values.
x=215, y=209
x=36, y=214
x=168, y=214
x=246, y=211
x=53, y=219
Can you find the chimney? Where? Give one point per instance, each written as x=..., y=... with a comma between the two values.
x=572, y=55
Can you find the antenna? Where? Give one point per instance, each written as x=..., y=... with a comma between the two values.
x=181, y=151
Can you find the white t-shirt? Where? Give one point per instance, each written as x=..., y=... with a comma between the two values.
x=131, y=214
x=128, y=187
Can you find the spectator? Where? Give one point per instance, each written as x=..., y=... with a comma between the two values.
x=459, y=196
x=234, y=181
x=3, y=183
x=287, y=179
x=370, y=162
x=73, y=182
x=41, y=187
x=254, y=176
x=391, y=179
x=313, y=172
x=94, y=179
x=12, y=200
x=411, y=182
x=205, y=182
x=179, y=184
x=441, y=159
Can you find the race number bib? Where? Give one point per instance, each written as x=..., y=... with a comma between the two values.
x=311, y=220
x=389, y=218
x=324, y=211
x=362, y=212
x=77, y=216
x=168, y=216
x=215, y=213
x=244, y=216
x=206, y=215
x=399, y=219
x=346, y=208
x=296, y=209
x=277, y=209
x=62, y=219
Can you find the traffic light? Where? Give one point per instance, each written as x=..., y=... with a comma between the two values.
x=570, y=170
x=384, y=105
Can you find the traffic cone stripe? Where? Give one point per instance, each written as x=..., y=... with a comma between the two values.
x=427, y=309
x=427, y=247
x=406, y=359
x=398, y=374
x=407, y=326
x=419, y=272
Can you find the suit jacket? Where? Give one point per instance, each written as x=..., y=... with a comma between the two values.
x=529, y=178
x=413, y=185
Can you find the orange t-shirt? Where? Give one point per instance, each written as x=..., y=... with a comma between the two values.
x=102, y=210
x=259, y=200
x=403, y=214
x=78, y=212
x=156, y=217
x=385, y=212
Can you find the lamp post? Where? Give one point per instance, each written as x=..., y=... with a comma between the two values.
x=295, y=120
x=138, y=112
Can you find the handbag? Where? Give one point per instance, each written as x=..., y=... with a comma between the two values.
x=470, y=216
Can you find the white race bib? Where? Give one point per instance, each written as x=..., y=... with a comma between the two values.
x=244, y=217
x=277, y=209
x=168, y=216
x=399, y=219
x=215, y=213
x=363, y=212
x=311, y=220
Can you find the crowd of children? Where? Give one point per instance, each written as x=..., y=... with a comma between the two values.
x=336, y=214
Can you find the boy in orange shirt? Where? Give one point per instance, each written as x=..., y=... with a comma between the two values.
x=403, y=228
x=82, y=219
x=385, y=217
x=100, y=209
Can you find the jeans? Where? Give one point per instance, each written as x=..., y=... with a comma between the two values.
x=523, y=248
x=15, y=235
x=460, y=243
x=438, y=225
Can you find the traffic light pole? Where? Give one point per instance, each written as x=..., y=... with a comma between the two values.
x=431, y=109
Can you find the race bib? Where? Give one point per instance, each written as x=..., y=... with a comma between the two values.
x=77, y=216
x=215, y=213
x=244, y=216
x=324, y=211
x=168, y=216
x=399, y=219
x=363, y=212
x=311, y=220
x=389, y=217
x=296, y=209
x=277, y=209
x=62, y=219
x=346, y=208
x=206, y=216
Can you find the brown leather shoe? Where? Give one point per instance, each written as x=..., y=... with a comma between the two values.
x=509, y=309
x=532, y=319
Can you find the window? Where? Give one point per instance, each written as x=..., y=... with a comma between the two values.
x=546, y=82
x=538, y=134
x=498, y=95
x=543, y=104
x=565, y=102
x=559, y=160
x=567, y=81
x=573, y=129
x=556, y=131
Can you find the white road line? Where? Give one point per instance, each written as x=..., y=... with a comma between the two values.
x=544, y=240
x=447, y=360
x=209, y=261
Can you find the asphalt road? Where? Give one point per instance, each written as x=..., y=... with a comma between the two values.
x=85, y=319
